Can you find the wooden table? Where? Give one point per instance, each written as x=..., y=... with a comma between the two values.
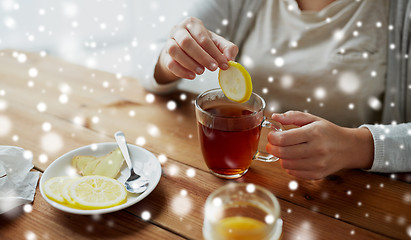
x=65, y=106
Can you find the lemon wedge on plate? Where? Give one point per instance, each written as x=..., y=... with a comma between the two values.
x=66, y=194
x=235, y=82
x=97, y=192
x=53, y=188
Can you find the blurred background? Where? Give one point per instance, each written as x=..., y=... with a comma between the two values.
x=100, y=34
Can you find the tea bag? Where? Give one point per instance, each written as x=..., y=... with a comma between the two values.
x=17, y=183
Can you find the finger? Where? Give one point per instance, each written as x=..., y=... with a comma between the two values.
x=299, y=151
x=290, y=137
x=191, y=47
x=174, y=50
x=205, y=39
x=294, y=118
x=177, y=69
x=307, y=164
x=308, y=175
x=229, y=49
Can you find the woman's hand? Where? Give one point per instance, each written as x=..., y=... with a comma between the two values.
x=190, y=49
x=318, y=148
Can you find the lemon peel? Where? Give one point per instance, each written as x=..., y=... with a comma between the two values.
x=97, y=192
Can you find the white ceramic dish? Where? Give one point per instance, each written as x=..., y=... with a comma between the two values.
x=142, y=160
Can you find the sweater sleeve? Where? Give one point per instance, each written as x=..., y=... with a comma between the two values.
x=392, y=147
x=211, y=12
x=230, y=19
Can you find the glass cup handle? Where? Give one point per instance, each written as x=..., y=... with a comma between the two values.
x=263, y=156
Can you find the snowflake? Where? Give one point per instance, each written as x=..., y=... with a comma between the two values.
x=338, y=35
x=70, y=9
x=191, y=172
x=63, y=99
x=46, y=126
x=171, y=105
x=293, y=44
x=286, y=81
x=15, y=138
x=52, y=142
x=348, y=82
x=43, y=158
x=378, y=24
x=41, y=107
x=250, y=188
x=33, y=72
x=22, y=58
x=374, y=103
x=153, y=130
x=320, y=93
x=29, y=235
x=181, y=204
x=140, y=141
x=269, y=219
x=162, y=158
x=146, y=215
x=150, y=98
x=173, y=170
x=183, y=97
x=279, y=62
x=293, y=185
x=10, y=23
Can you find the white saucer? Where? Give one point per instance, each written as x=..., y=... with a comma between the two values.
x=141, y=158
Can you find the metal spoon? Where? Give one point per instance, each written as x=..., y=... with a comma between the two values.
x=135, y=183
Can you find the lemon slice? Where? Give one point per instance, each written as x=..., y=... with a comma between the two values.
x=235, y=82
x=53, y=188
x=66, y=194
x=96, y=192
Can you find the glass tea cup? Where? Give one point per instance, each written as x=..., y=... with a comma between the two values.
x=242, y=211
x=229, y=132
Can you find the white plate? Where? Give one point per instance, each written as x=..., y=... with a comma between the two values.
x=141, y=158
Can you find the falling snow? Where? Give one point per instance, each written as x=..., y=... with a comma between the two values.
x=293, y=185
x=6, y=126
x=171, y=105
x=349, y=82
x=94, y=49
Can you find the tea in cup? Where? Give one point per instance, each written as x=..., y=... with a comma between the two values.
x=229, y=132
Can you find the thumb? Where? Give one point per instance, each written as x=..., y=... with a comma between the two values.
x=227, y=48
x=294, y=118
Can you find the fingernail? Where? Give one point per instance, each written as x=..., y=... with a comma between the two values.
x=213, y=66
x=224, y=66
x=199, y=70
x=191, y=76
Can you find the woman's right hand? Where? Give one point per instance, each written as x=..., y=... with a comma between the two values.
x=190, y=49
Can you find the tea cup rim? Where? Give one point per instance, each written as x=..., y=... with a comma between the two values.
x=255, y=112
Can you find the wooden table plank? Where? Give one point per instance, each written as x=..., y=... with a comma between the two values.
x=370, y=205
x=45, y=222
x=187, y=208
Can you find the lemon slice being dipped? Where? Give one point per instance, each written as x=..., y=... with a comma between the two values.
x=97, y=192
x=235, y=82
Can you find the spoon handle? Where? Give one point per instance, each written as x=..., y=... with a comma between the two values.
x=121, y=141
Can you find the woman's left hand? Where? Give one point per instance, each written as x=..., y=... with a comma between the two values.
x=318, y=148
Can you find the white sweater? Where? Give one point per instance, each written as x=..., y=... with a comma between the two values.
x=246, y=20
